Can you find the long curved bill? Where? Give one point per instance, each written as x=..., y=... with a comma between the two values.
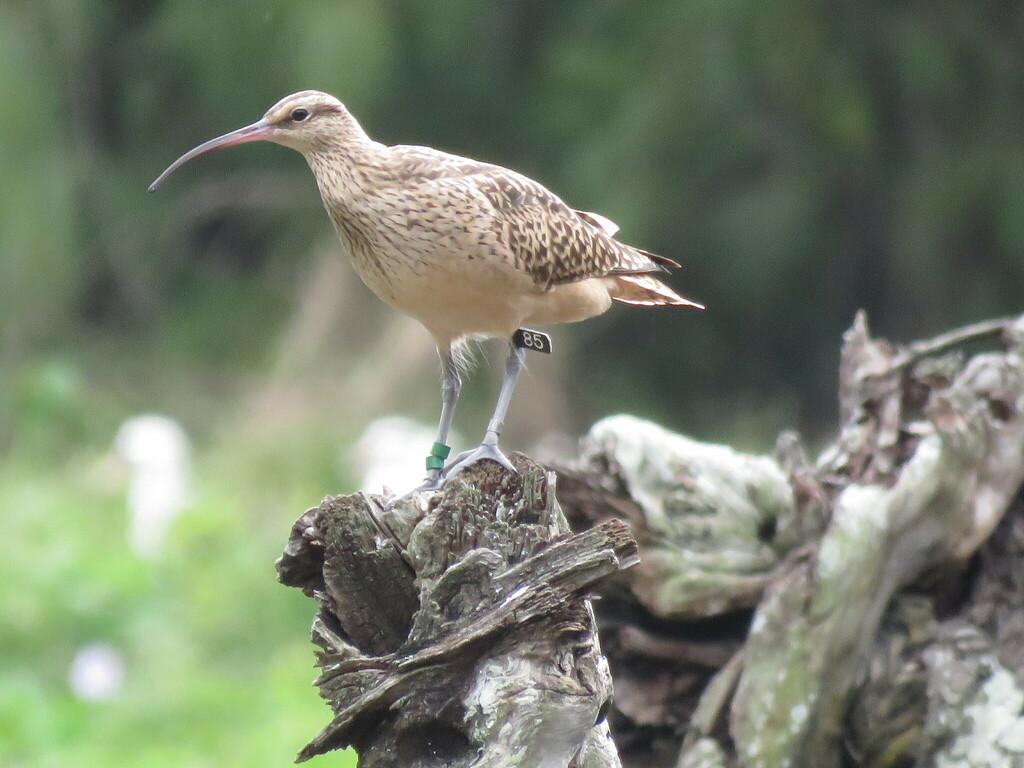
x=258, y=131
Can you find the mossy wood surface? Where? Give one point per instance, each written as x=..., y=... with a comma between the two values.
x=863, y=609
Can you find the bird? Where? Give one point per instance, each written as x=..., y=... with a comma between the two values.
x=470, y=249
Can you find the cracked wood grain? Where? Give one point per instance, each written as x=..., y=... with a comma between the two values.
x=459, y=632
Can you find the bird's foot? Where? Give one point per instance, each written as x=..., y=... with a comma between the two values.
x=431, y=482
x=486, y=450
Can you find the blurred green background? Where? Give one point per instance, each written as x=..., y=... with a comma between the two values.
x=800, y=159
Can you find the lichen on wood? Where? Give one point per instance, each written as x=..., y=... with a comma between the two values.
x=801, y=570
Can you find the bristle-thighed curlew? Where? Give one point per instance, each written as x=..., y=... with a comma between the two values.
x=467, y=248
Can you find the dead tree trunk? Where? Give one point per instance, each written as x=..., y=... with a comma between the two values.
x=853, y=612
x=459, y=635
x=856, y=611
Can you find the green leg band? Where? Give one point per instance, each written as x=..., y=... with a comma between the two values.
x=438, y=453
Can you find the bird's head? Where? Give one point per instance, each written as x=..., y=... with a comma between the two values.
x=307, y=121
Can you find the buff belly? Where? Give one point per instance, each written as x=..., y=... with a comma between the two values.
x=458, y=298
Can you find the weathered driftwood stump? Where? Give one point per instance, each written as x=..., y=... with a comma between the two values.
x=866, y=609
x=857, y=611
x=459, y=634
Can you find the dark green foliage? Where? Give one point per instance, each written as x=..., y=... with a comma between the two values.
x=800, y=159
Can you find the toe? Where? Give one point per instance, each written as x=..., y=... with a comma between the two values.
x=485, y=451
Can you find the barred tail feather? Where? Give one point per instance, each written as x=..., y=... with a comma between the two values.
x=646, y=290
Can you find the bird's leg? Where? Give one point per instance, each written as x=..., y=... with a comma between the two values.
x=488, y=449
x=451, y=385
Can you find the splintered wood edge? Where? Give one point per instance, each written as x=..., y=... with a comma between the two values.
x=535, y=588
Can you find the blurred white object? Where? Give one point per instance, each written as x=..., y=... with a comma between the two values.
x=157, y=451
x=97, y=672
x=392, y=453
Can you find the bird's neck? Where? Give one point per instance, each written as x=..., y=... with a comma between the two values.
x=347, y=170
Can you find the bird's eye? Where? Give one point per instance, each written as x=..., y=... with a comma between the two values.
x=299, y=114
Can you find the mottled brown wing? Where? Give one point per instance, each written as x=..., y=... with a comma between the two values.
x=548, y=239
x=551, y=241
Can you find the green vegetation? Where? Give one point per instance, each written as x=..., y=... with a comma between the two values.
x=218, y=663
x=801, y=159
